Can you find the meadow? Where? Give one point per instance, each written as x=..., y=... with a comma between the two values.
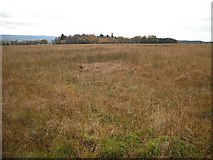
x=112, y=100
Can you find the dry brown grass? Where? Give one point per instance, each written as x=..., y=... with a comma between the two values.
x=106, y=101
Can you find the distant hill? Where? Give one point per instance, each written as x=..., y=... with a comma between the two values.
x=26, y=37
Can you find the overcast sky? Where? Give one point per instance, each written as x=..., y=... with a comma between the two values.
x=179, y=19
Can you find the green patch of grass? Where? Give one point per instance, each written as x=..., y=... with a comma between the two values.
x=119, y=146
x=184, y=149
x=65, y=151
x=165, y=147
x=136, y=145
x=113, y=148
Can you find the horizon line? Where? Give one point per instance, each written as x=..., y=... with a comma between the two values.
x=96, y=35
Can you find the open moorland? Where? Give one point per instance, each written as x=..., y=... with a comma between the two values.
x=112, y=100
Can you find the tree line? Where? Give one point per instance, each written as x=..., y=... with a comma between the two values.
x=25, y=42
x=92, y=39
x=104, y=39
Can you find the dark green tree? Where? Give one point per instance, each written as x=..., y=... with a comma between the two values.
x=63, y=37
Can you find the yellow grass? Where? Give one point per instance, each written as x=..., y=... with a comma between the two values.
x=106, y=101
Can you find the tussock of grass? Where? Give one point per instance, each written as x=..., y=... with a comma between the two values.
x=110, y=101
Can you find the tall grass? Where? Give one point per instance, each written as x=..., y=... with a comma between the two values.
x=62, y=101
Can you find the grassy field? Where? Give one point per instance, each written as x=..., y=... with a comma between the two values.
x=107, y=101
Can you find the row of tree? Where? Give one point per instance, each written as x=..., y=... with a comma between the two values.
x=91, y=39
x=26, y=42
x=101, y=39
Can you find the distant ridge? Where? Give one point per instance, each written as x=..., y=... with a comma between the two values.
x=26, y=37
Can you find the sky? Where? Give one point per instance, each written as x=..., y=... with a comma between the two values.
x=179, y=19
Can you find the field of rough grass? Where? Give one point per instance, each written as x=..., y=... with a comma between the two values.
x=62, y=101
